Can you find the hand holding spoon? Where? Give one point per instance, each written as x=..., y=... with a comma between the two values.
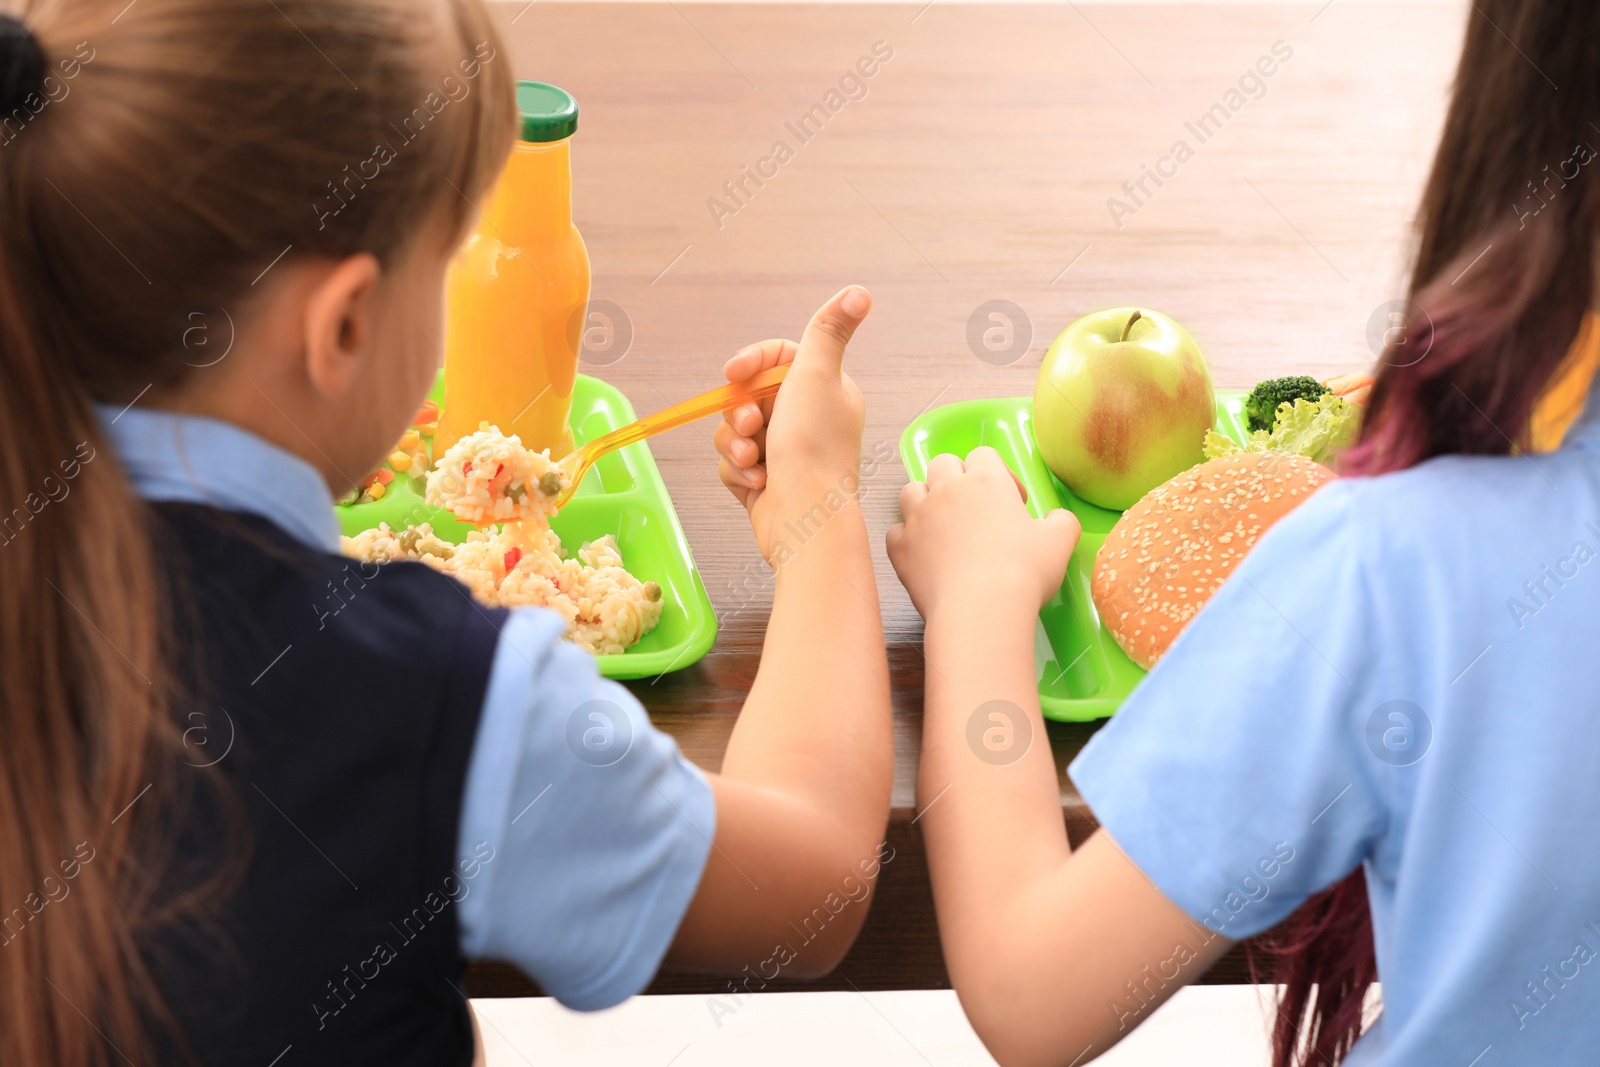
x=576, y=464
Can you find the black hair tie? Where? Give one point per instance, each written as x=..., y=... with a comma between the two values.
x=22, y=64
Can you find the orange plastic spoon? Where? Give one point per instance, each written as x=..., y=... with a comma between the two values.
x=576, y=464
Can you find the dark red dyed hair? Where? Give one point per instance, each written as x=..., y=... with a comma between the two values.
x=1503, y=276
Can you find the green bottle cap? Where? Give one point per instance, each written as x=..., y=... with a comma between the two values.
x=548, y=113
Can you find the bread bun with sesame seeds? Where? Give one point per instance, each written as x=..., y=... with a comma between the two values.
x=1169, y=552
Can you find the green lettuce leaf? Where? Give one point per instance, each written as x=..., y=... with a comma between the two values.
x=1316, y=429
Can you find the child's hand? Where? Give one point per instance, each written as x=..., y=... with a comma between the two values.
x=967, y=531
x=782, y=457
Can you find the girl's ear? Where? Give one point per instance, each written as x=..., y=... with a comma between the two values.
x=339, y=325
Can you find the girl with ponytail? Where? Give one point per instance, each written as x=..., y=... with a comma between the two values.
x=1378, y=737
x=235, y=827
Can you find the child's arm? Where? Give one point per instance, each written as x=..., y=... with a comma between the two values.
x=1040, y=941
x=803, y=795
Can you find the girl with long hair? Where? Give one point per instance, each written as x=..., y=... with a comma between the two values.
x=235, y=826
x=1382, y=728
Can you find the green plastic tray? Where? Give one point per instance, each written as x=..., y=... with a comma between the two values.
x=623, y=495
x=1083, y=673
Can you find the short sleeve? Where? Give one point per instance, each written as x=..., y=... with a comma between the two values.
x=586, y=828
x=1236, y=775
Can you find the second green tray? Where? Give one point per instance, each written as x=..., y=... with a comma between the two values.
x=1083, y=673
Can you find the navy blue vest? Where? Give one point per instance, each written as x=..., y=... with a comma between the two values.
x=339, y=700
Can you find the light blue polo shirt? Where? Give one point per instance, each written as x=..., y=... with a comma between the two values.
x=1404, y=674
x=595, y=828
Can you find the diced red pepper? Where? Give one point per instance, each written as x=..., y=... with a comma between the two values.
x=466, y=468
x=512, y=558
x=383, y=475
x=497, y=470
x=429, y=412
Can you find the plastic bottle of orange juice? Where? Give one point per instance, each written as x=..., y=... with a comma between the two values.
x=518, y=291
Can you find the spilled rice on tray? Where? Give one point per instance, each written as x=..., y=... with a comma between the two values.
x=514, y=559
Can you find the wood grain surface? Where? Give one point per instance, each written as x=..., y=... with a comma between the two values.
x=974, y=165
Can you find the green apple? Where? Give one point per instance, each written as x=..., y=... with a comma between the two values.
x=1123, y=403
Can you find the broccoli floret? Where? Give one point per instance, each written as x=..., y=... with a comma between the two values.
x=1261, y=406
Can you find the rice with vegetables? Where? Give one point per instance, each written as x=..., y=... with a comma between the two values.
x=488, y=478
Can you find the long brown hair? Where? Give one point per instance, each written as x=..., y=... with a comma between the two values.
x=1503, y=276
x=175, y=150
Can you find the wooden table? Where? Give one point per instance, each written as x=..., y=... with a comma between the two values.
x=977, y=166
